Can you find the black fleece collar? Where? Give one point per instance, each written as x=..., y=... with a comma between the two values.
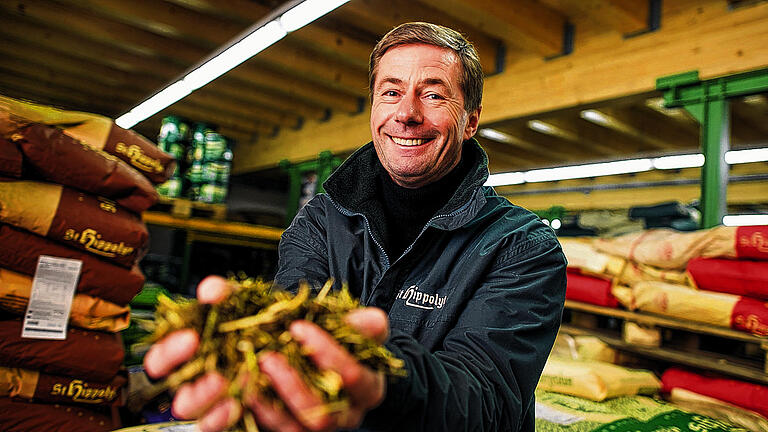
x=353, y=184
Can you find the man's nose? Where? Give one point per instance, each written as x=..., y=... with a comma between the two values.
x=409, y=110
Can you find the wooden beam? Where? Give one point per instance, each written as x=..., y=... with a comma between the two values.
x=527, y=25
x=656, y=126
x=502, y=157
x=187, y=25
x=162, y=49
x=567, y=129
x=622, y=123
x=600, y=69
x=315, y=36
x=146, y=70
x=551, y=147
x=18, y=86
x=381, y=17
x=39, y=34
x=680, y=115
x=625, y=16
x=748, y=126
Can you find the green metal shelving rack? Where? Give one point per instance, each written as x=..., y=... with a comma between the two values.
x=708, y=102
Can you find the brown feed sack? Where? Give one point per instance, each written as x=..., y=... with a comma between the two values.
x=93, y=224
x=33, y=386
x=61, y=159
x=87, y=354
x=20, y=250
x=93, y=130
x=17, y=416
x=11, y=159
x=86, y=312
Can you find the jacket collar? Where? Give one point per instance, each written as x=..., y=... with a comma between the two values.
x=353, y=185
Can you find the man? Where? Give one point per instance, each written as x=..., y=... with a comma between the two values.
x=468, y=288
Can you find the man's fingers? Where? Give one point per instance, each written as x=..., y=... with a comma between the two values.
x=365, y=386
x=213, y=289
x=370, y=322
x=194, y=399
x=222, y=416
x=294, y=391
x=173, y=350
x=272, y=418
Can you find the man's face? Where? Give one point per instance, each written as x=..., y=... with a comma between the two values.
x=418, y=121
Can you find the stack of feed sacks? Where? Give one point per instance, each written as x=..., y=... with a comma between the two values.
x=72, y=185
x=714, y=276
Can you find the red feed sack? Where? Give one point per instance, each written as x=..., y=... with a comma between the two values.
x=740, y=277
x=752, y=242
x=589, y=290
x=751, y=316
x=20, y=250
x=753, y=397
x=17, y=416
x=61, y=159
x=87, y=354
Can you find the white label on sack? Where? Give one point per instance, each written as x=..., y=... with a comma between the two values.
x=51, y=298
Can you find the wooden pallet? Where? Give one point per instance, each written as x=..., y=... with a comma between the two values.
x=681, y=340
x=184, y=208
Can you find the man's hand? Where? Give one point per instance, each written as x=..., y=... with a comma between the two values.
x=207, y=400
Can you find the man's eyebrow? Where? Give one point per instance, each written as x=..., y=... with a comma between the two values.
x=391, y=80
x=434, y=81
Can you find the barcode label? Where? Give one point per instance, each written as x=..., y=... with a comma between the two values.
x=51, y=298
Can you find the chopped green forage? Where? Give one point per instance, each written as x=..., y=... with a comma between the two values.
x=255, y=319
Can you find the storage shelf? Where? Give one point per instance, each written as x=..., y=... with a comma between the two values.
x=662, y=321
x=215, y=228
x=753, y=370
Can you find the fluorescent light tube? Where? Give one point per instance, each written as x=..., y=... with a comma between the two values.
x=588, y=170
x=306, y=12
x=540, y=126
x=745, y=220
x=493, y=134
x=160, y=100
x=679, y=161
x=233, y=56
x=240, y=51
x=746, y=156
x=594, y=117
x=502, y=179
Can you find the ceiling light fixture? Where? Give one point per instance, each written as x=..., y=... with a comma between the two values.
x=678, y=161
x=694, y=160
x=594, y=117
x=746, y=156
x=745, y=220
x=255, y=39
x=588, y=170
x=493, y=134
x=540, y=126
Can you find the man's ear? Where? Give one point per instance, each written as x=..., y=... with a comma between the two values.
x=472, y=122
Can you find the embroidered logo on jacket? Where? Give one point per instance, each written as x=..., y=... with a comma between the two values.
x=415, y=298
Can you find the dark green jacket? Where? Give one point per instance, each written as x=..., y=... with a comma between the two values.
x=474, y=303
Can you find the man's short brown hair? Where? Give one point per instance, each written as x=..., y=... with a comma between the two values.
x=443, y=37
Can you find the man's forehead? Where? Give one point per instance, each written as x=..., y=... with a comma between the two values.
x=435, y=65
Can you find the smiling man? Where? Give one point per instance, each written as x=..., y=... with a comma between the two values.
x=465, y=287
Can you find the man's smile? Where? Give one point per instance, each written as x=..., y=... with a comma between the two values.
x=409, y=142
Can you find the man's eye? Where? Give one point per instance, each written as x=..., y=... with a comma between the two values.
x=434, y=96
x=390, y=93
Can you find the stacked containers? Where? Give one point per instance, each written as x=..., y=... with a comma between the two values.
x=72, y=185
x=207, y=158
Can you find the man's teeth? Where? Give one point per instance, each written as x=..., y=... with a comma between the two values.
x=409, y=141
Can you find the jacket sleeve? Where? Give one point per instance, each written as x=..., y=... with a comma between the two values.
x=302, y=253
x=485, y=375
